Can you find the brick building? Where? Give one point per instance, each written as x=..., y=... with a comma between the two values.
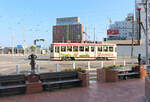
x=68, y=29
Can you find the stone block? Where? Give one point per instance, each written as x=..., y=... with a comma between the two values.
x=33, y=87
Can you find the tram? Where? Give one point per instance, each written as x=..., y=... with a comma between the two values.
x=83, y=51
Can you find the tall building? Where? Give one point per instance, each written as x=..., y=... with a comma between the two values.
x=140, y=48
x=122, y=30
x=68, y=29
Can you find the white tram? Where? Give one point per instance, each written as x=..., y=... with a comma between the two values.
x=82, y=51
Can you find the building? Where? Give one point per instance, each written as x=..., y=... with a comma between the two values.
x=138, y=48
x=122, y=30
x=68, y=29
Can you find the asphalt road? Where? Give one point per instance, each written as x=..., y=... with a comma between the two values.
x=8, y=64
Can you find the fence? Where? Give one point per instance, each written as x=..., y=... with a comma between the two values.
x=88, y=65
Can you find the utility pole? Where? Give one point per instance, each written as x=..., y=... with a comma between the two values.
x=147, y=37
x=94, y=35
x=132, y=36
x=86, y=37
x=12, y=43
x=24, y=40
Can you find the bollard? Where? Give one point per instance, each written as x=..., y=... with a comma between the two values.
x=38, y=69
x=124, y=63
x=102, y=64
x=57, y=67
x=74, y=65
x=17, y=69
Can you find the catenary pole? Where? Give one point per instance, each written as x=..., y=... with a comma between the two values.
x=147, y=57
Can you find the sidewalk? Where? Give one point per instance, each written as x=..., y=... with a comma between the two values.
x=122, y=91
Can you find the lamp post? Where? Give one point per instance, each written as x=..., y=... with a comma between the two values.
x=139, y=22
x=146, y=29
x=132, y=35
x=147, y=57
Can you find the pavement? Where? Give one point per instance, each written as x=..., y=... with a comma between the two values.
x=122, y=91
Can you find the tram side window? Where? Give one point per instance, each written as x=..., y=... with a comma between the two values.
x=81, y=48
x=110, y=49
x=105, y=48
x=100, y=48
x=75, y=48
x=87, y=48
x=57, y=49
x=69, y=48
x=92, y=48
x=52, y=49
x=63, y=48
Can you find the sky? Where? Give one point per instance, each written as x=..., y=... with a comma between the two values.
x=36, y=18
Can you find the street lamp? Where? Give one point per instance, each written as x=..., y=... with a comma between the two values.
x=146, y=29
x=139, y=22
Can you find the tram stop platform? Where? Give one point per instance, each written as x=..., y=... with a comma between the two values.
x=121, y=91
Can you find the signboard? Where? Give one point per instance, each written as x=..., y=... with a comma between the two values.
x=38, y=46
x=19, y=46
x=112, y=32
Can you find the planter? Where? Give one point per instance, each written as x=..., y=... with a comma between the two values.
x=107, y=75
x=147, y=88
x=84, y=78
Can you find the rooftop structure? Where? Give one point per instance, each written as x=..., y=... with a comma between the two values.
x=67, y=20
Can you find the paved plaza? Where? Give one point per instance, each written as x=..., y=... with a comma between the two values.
x=122, y=91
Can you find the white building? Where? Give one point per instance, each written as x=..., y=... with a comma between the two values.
x=125, y=49
x=123, y=30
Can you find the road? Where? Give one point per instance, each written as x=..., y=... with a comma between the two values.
x=8, y=64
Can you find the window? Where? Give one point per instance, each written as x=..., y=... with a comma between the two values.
x=75, y=48
x=81, y=48
x=110, y=49
x=63, y=48
x=69, y=48
x=57, y=49
x=52, y=49
x=100, y=48
x=87, y=48
x=92, y=48
x=105, y=48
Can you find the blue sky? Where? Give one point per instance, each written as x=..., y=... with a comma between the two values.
x=38, y=17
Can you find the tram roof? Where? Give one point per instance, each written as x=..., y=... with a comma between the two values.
x=84, y=44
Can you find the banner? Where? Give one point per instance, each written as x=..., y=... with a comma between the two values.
x=112, y=32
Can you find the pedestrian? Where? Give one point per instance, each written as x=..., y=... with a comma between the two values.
x=139, y=59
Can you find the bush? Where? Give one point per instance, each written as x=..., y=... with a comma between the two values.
x=80, y=70
x=112, y=66
x=51, y=70
x=68, y=70
x=85, y=55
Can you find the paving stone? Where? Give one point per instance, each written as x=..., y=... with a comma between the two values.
x=121, y=91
